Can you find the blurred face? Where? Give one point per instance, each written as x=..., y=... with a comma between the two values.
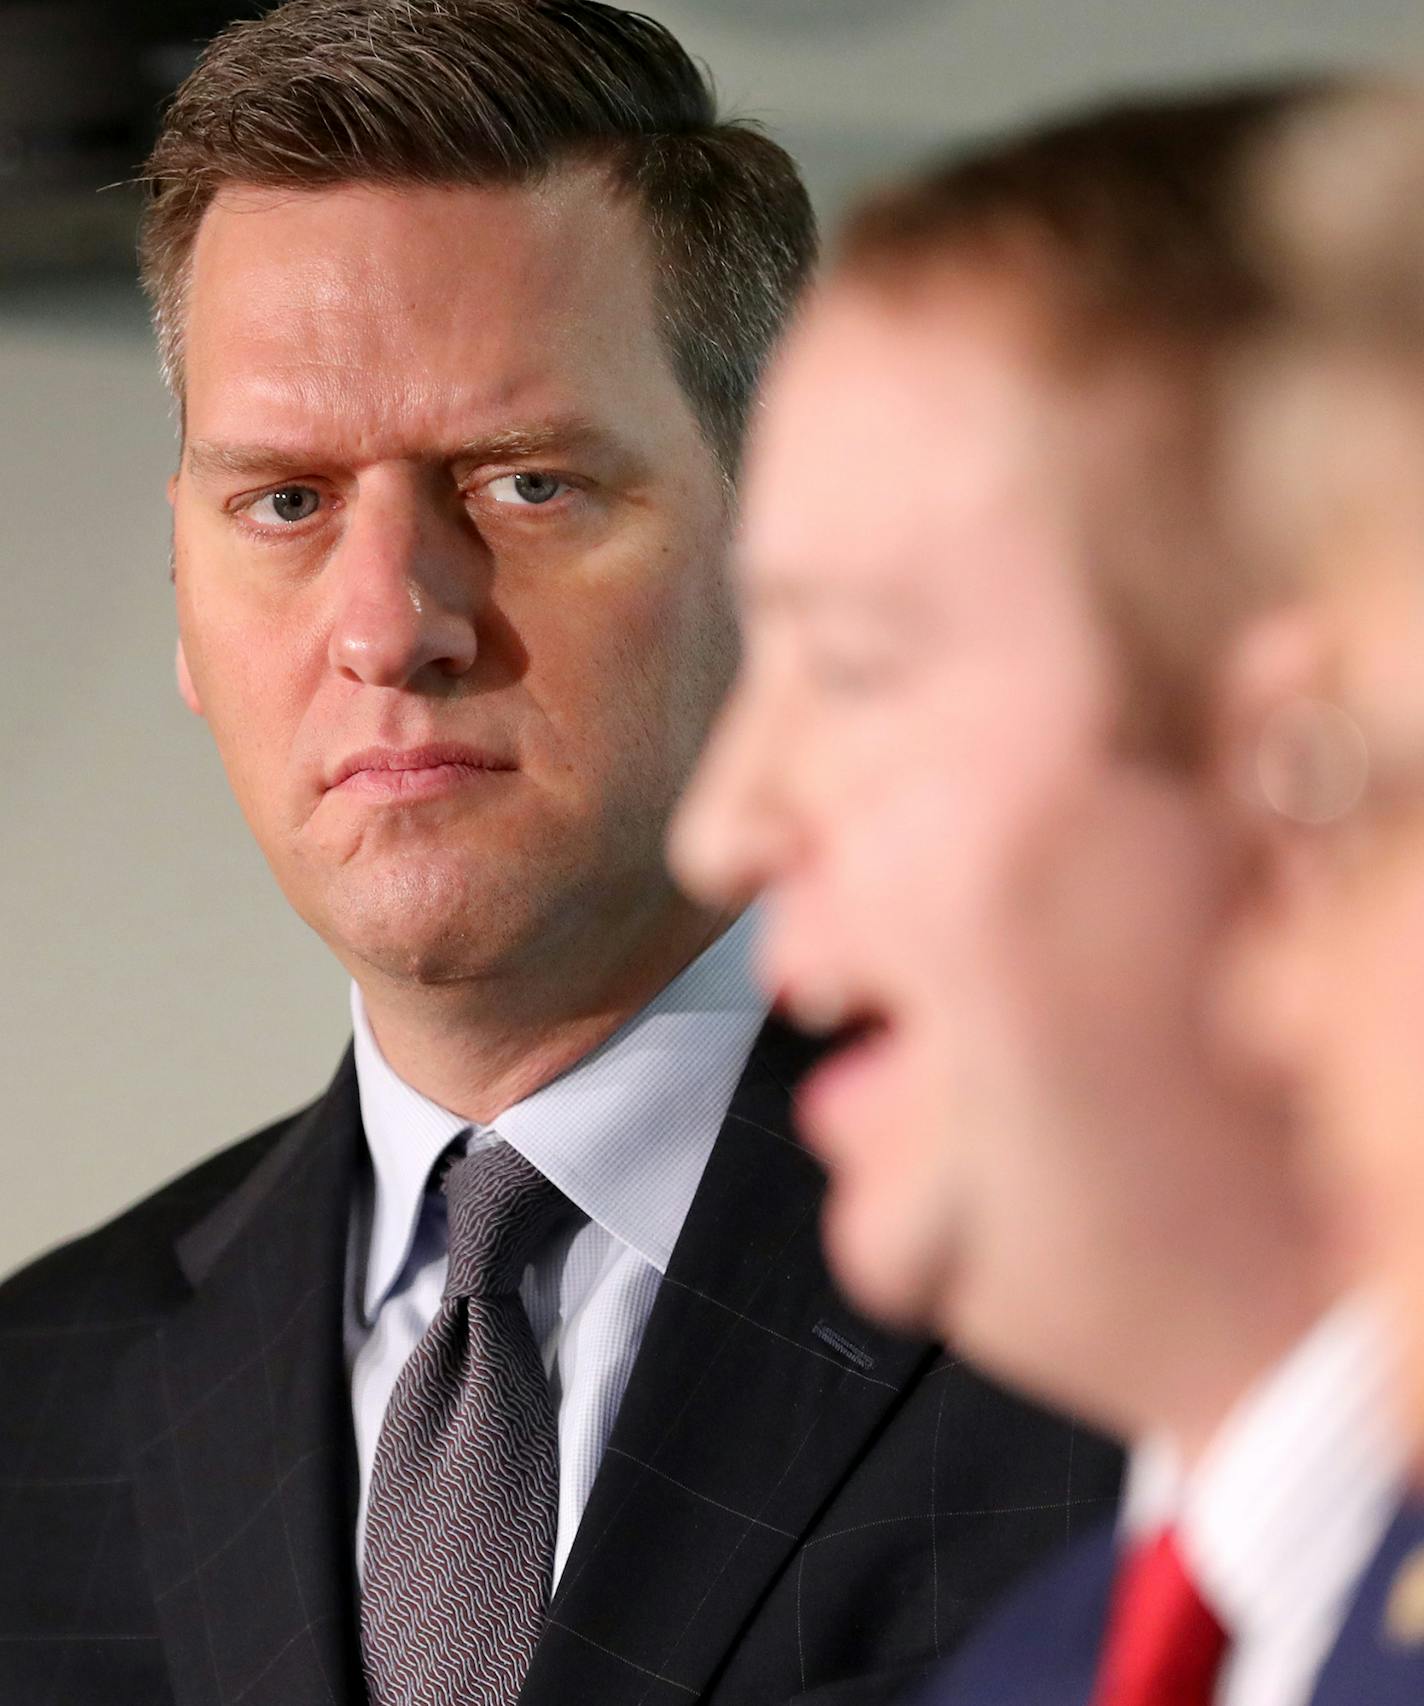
x=919, y=764
x=449, y=565
x=1340, y=1006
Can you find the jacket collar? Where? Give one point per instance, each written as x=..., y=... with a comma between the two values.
x=239, y=1433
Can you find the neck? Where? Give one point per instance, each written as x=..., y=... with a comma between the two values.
x=1191, y=1412
x=1202, y=1264
x=479, y=1044
x=1245, y=1276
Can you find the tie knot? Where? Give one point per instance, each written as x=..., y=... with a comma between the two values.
x=500, y=1209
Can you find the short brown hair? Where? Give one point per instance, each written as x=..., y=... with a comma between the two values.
x=1126, y=224
x=497, y=92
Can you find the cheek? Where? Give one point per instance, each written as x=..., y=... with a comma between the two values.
x=255, y=679
x=937, y=854
x=1369, y=1066
x=895, y=873
x=639, y=655
x=892, y=1213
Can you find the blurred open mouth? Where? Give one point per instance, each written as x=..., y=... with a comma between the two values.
x=841, y=1090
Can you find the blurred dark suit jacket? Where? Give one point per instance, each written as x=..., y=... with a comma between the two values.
x=791, y=1499
x=1040, y=1648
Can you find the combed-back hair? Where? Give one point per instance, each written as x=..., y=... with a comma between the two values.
x=1128, y=227
x=317, y=93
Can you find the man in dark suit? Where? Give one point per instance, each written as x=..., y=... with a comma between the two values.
x=463, y=302
x=981, y=762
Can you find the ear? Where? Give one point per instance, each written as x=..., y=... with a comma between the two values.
x=1275, y=660
x=172, y=493
x=185, y=683
x=1269, y=781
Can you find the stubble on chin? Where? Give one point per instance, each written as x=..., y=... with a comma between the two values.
x=412, y=918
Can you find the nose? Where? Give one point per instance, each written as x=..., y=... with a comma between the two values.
x=734, y=835
x=411, y=578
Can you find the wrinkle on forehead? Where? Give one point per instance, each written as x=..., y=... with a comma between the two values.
x=423, y=312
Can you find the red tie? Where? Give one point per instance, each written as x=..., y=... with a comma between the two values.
x=1163, y=1646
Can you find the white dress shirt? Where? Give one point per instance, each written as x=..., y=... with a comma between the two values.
x=624, y=1134
x=1287, y=1506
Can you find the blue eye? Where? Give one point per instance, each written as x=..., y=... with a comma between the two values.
x=291, y=504
x=528, y=490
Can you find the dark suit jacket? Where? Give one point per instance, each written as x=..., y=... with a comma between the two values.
x=790, y=1498
x=1379, y=1657
x=1040, y=1648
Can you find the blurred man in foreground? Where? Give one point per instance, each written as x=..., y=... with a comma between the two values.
x=974, y=754
x=464, y=302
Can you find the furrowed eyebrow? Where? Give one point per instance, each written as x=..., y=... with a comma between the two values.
x=210, y=456
x=524, y=443
x=205, y=456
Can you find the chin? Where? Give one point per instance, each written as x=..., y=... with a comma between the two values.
x=426, y=921
x=429, y=963
x=417, y=950
x=897, y=1274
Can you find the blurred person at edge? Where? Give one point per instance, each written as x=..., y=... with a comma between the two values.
x=1323, y=986
x=463, y=302
x=974, y=758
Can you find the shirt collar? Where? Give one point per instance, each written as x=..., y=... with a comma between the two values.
x=1293, y=1495
x=625, y=1133
x=406, y=1134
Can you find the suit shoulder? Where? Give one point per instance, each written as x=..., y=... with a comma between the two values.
x=131, y=1257
x=1379, y=1653
x=1040, y=1646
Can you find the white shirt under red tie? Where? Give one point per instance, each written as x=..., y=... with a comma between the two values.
x=1239, y=1574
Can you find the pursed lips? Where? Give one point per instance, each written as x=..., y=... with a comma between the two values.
x=414, y=772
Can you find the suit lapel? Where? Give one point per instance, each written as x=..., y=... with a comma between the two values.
x=240, y=1434
x=754, y=1392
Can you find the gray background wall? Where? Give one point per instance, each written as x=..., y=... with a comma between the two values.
x=156, y=997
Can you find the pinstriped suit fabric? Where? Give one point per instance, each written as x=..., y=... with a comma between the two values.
x=464, y=1488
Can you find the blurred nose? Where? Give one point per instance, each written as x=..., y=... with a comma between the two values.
x=734, y=834
x=412, y=577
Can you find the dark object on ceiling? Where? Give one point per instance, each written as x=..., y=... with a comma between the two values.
x=82, y=83
x=81, y=86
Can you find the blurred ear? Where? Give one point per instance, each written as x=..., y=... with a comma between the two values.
x=1270, y=769
x=1275, y=659
x=185, y=683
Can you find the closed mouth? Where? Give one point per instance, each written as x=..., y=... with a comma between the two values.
x=388, y=765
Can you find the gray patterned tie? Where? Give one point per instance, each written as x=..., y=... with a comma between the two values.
x=464, y=1488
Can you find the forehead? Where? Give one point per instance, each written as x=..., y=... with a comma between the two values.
x=407, y=301
x=898, y=432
